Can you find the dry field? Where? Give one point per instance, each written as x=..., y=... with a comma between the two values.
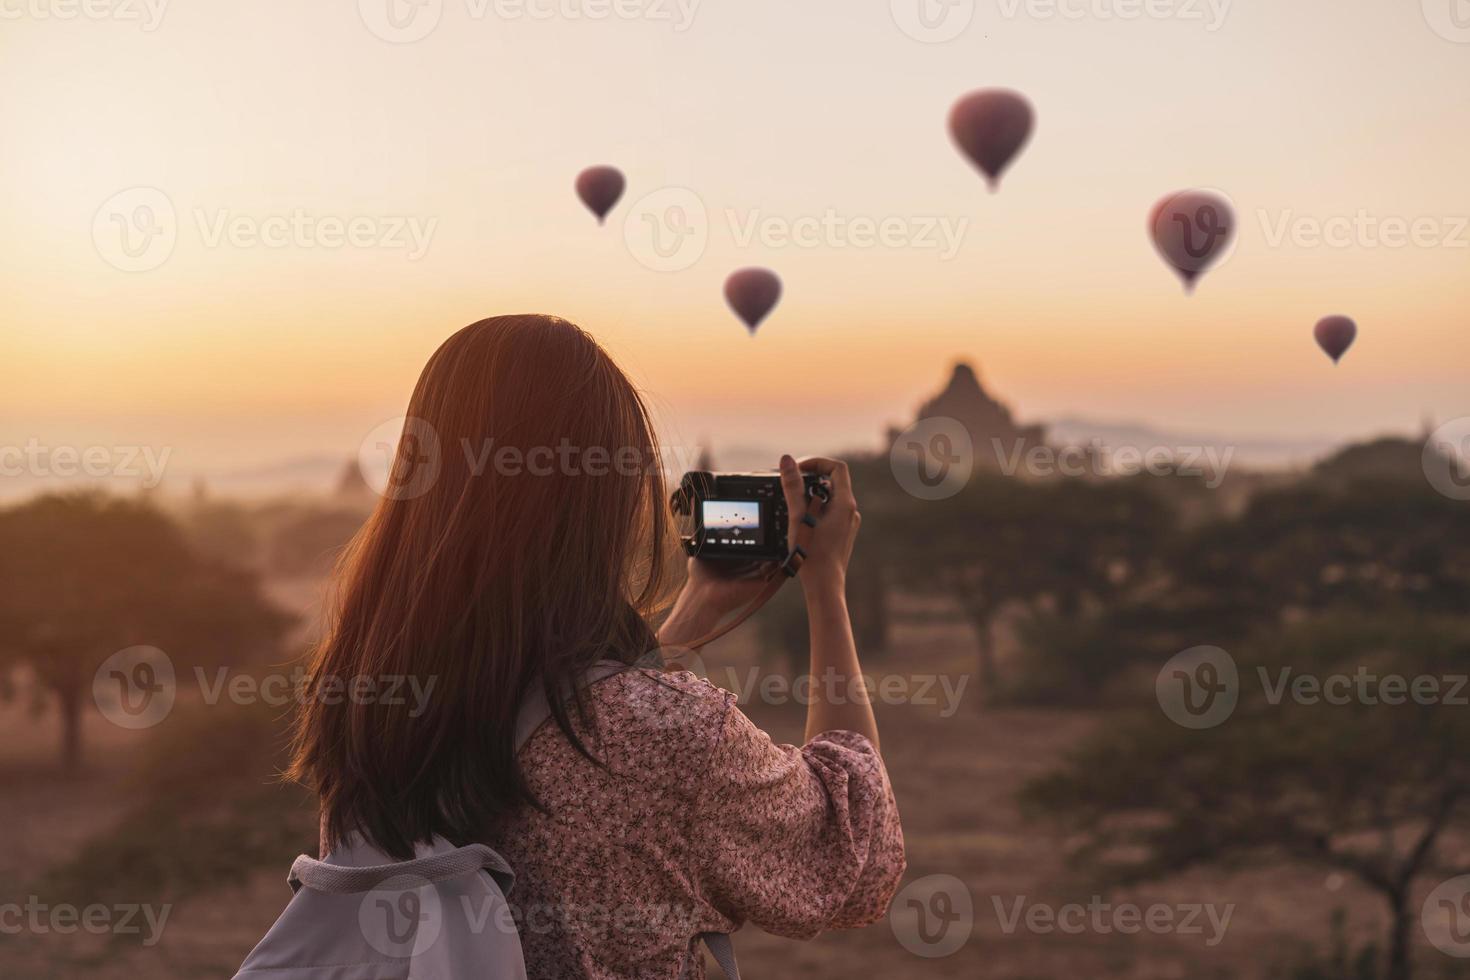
x=956, y=780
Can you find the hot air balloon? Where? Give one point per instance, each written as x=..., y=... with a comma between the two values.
x=1335, y=334
x=990, y=127
x=599, y=188
x=752, y=293
x=1192, y=231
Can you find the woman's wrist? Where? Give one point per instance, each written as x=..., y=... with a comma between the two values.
x=821, y=580
x=693, y=616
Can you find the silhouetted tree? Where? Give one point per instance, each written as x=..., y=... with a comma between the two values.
x=85, y=575
x=223, y=530
x=1369, y=789
x=1388, y=458
x=309, y=540
x=1318, y=545
x=1069, y=544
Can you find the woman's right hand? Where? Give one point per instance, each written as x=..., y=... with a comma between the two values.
x=840, y=700
x=829, y=548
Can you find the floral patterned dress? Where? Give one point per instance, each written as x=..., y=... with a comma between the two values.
x=697, y=822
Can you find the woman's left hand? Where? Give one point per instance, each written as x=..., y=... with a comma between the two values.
x=726, y=586
x=713, y=591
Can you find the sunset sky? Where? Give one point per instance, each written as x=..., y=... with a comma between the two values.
x=761, y=112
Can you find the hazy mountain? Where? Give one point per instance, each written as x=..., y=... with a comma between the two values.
x=1255, y=451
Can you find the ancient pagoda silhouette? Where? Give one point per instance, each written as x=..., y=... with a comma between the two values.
x=994, y=432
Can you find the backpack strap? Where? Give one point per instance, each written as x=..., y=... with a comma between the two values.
x=339, y=879
x=534, y=713
x=535, y=709
x=723, y=951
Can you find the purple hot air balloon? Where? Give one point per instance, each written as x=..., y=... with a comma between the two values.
x=1335, y=334
x=599, y=188
x=1192, y=230
x=752, y=293
x=990, y=127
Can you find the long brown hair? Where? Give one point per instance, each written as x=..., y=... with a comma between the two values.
x=522, y=536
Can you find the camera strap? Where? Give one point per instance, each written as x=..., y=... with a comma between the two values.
x=775, y=577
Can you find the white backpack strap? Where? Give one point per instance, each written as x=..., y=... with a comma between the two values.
x=340, y=879
x=534, y=710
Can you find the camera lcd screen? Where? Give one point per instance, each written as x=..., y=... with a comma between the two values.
x=732, y=522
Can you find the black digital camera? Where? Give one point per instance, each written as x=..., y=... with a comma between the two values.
x=737, y=516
